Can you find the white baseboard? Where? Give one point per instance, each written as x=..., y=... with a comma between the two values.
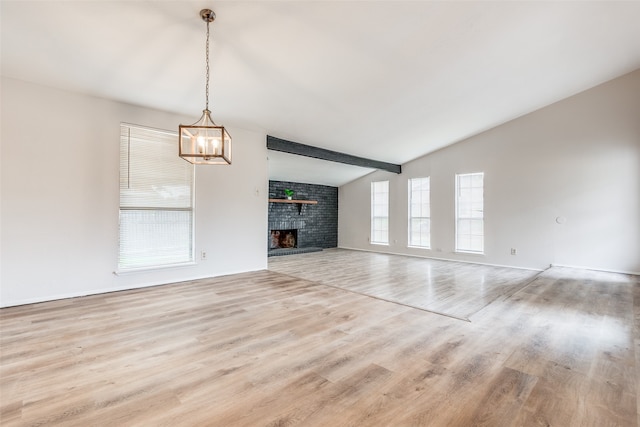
x=58, y=297
x=442, y=259
x=632, y=273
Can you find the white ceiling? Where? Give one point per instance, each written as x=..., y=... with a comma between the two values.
x=387, y=80
x=290, y=167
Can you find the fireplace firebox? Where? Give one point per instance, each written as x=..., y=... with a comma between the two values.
x=284, y=239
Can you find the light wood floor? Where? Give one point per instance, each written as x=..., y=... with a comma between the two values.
x=451, y=288
x=268, y=349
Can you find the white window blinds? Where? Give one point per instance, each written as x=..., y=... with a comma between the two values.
x=156, y=200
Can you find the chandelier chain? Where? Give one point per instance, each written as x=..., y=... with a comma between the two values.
x=207, y=86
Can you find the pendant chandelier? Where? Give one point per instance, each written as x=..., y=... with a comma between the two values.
x=204, y=142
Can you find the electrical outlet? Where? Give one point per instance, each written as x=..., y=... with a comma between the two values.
x=203, y=255
x=514, y=251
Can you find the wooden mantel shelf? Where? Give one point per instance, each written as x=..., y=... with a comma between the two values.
x=302, y=202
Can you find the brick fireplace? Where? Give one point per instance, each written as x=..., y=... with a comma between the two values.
x=316, y=226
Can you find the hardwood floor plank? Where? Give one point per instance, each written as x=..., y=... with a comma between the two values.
x=636, y=340
x=504, y=399
x=268, y=349
x=416, y=282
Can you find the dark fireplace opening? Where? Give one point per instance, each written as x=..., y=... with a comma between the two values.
x=283, y=239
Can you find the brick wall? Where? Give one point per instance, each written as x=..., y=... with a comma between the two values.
x=317, y=225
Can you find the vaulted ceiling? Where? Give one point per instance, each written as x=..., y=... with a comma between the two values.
x=386, y=80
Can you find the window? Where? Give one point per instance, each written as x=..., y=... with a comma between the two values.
x=156, y=200
x=419, y=213
x=470, y=212
x=380, y=212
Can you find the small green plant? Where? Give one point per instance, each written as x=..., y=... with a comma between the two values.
x=288, y=193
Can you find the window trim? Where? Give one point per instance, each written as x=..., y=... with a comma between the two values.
x=410, y=200
x=120, y=271
x=135, y=270
x=373, y=217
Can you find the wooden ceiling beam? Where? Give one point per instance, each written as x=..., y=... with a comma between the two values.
x=282, y=145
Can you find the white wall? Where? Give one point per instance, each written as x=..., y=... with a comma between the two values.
x=578, y=158
x=60, y=196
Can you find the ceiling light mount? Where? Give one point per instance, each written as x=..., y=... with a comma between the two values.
x=204, y=142
x=207, y=15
